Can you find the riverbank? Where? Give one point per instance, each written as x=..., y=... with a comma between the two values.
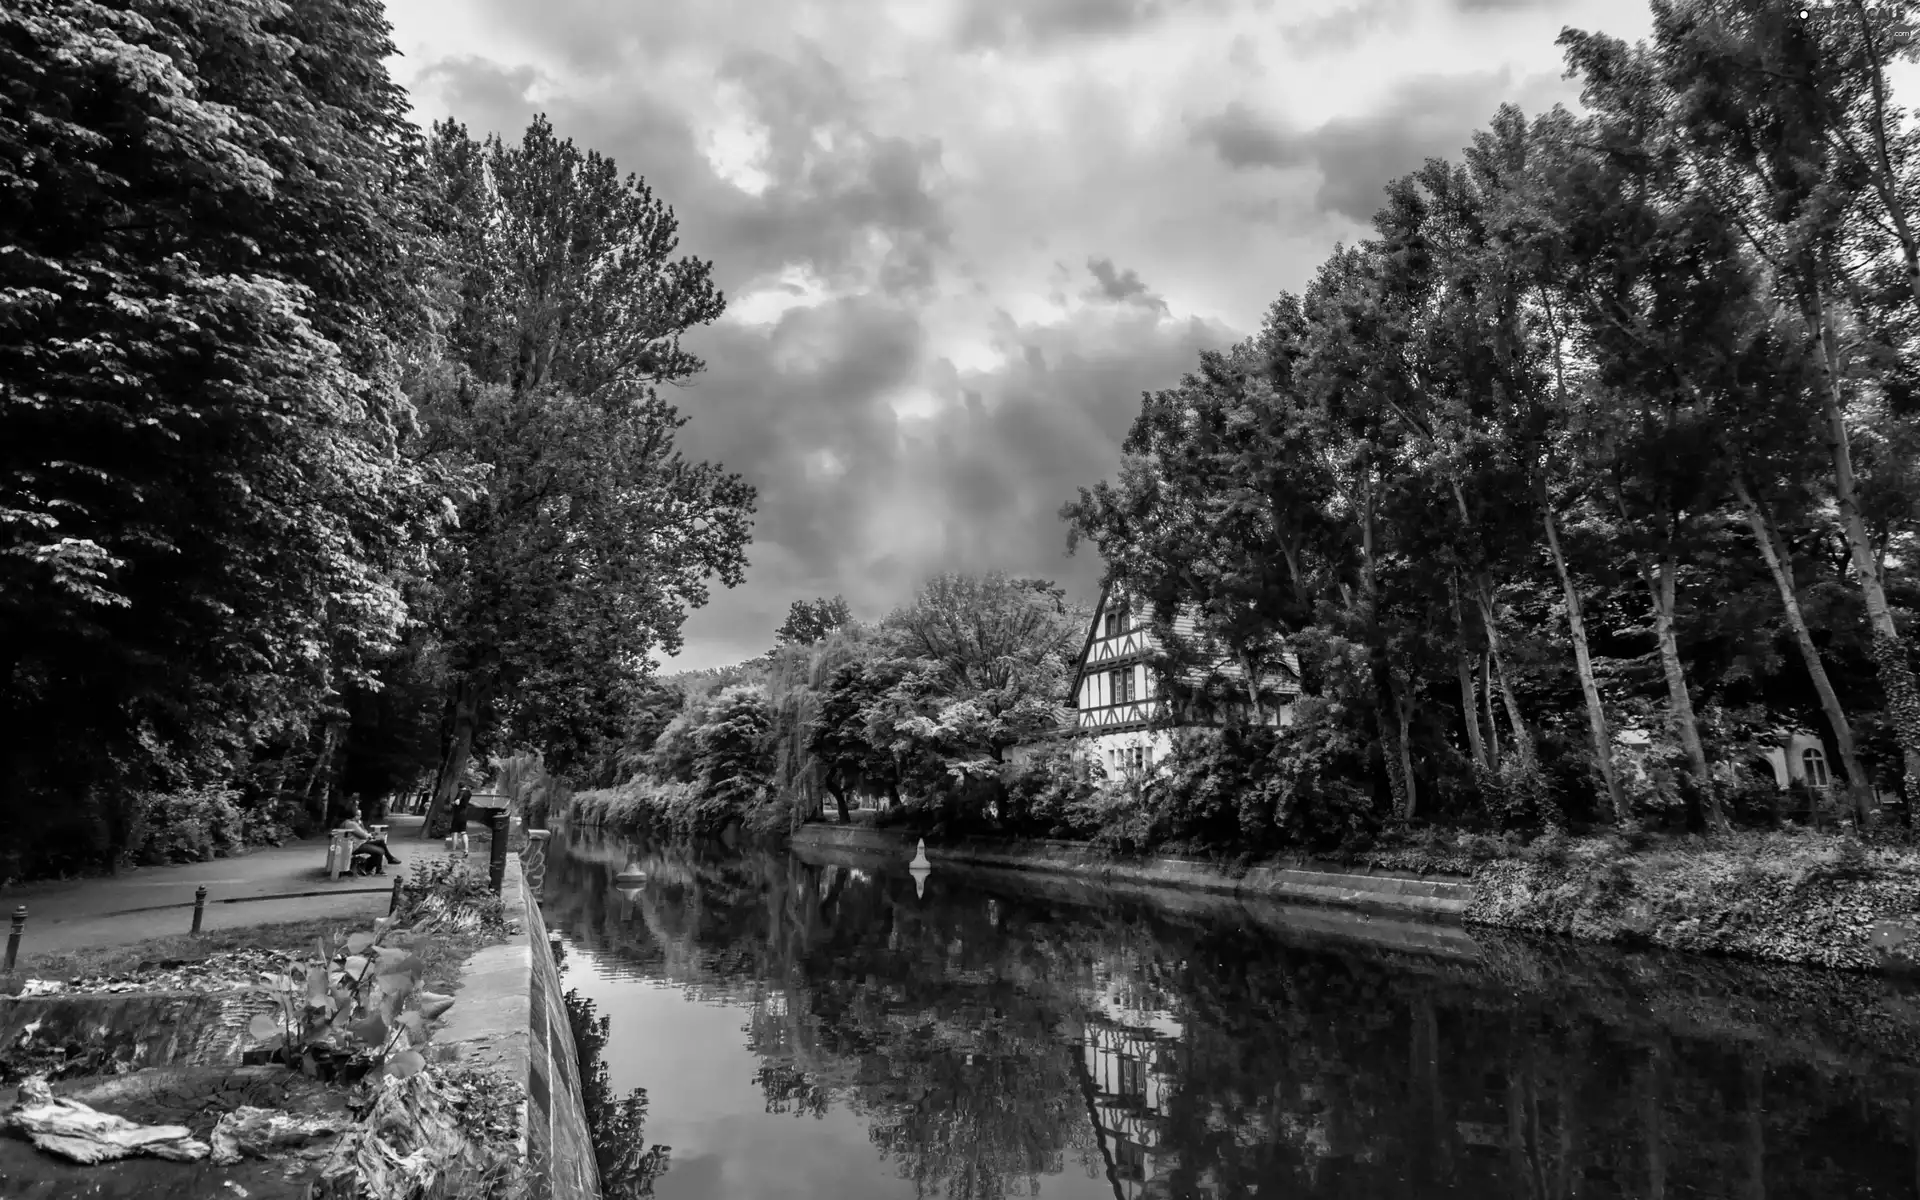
x=1801, y=899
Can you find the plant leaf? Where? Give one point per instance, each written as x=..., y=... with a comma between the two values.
x=405, y=1063
x=356, y=967
x=370, y=1029
x=358, y=943
x=264, y=1027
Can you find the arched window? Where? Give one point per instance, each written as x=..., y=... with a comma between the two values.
x=1813, y=763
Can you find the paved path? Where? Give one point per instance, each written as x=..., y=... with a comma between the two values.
x=77, y=914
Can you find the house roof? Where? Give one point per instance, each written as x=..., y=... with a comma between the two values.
x=1093, y=627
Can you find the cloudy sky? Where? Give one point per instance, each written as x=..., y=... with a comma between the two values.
x=959, y=237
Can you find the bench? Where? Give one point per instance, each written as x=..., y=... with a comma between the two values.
x=340, y=850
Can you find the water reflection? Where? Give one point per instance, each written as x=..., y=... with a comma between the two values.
x=1001, y=1035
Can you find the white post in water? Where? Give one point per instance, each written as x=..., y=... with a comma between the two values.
x=920, y=856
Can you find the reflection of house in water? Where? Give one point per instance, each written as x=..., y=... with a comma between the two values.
x=1126, y=1054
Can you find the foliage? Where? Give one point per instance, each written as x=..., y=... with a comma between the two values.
x=442, y=894
x=810, y=620
x=205, y=502
x=187, y=826
x=593, y=536
x=350, y=1002
x=1782, y=897
x=643, y=804
x=1572, y=445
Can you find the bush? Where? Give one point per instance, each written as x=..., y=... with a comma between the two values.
x=190, y=825
x=1049, y=796
x=443, y=894
x=645, y=805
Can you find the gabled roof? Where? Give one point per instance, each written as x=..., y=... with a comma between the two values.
x=1093, y=627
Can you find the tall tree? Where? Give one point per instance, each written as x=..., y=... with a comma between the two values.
x=203, y=503
x=1789, y=123
x=594, y=535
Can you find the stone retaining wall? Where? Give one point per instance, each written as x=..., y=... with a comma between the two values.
x=509, y=1014
x=1375, y=891
x=559, y=1145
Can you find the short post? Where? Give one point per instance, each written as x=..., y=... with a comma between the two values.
x=393, y=906
x=199, y=906
x=533, y=861
x=13, y=938
x=497, y=853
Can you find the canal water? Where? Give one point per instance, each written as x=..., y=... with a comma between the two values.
x=819, y=1024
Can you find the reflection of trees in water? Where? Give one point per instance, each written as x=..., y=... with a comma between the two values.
x=617, y=1124
x=990, y=1038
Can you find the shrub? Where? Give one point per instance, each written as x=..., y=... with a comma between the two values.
x=443, y=894
x=1048, y=796
x=190, y=825
x=645, y=805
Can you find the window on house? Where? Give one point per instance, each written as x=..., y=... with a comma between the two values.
x=1813, y=763
x=1120, y=685
x=1116, y=620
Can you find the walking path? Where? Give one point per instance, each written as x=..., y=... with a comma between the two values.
x=118, y=909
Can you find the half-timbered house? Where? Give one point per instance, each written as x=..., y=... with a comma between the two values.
x=1116, y=697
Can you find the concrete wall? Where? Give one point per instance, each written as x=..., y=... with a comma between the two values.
x=559, y=1146
x=1380, y=891
x=509, y=1016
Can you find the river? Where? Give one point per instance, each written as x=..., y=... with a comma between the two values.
x=815, y=1025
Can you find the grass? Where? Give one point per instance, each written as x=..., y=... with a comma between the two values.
x=442, y=953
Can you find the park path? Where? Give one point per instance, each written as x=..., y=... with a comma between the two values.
x=118, y=909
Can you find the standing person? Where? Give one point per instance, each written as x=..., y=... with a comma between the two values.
x=457, y=835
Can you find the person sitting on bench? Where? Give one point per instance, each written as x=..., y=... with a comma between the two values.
x=370, y=854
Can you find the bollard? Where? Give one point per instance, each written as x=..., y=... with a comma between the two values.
x=533, y=861
x=199, y=906
x=497, y=853
x=393, y=906
x=13, y=938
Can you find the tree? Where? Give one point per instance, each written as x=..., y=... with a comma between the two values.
x=809, y=621
x=593, y=536
x=989, y=659
x=204, y=504
x=1787, y=121
x=838, y=739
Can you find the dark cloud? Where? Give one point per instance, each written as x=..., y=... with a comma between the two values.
x=823, y=201
x=976, y=486
x=1121, y=287
x=1431, y=116
x=1242, y=138
x=1002, y=24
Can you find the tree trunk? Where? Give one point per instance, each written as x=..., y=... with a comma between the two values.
x=1522, y=736
x=1889, y=656
x=1660, y=585
x=322, y=760
x=1583, y=661
x=1780, y=565
x=470, y=702
x=1469, y=695
x=1487, y=713
x=1387, y=717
